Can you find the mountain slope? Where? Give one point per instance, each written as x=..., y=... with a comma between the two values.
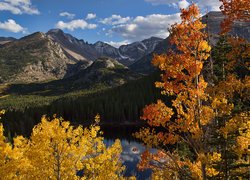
x=144, y=65
x=139, y=49
x=105, y=49
x=4, y=40
x=102, y=73
x=130, y=53
x=32, y=58
x=213, y=20
x=75, y=49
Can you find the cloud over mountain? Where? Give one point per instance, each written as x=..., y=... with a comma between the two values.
x=75, y=24
x=119, y=43
x=67, y=14
x=115, y=20
x=142, y=27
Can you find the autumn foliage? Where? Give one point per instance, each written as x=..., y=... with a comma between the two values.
x=57, y=150
x=234, y=10
x=207, y=120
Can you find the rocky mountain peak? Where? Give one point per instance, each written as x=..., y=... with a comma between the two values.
x=55, y=31
x=106, y=62
x=74, y=48
x=99, y=43
x=35, y=36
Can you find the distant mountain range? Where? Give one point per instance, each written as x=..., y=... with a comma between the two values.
x=42, y=57
x=55, y=55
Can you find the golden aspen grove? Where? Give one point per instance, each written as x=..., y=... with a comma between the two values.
x=201, y=133
x=57, y=150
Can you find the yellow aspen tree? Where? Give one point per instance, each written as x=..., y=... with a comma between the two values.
x=9, y=165
x=58, y=150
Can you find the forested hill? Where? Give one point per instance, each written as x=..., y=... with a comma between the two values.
x=117, y=106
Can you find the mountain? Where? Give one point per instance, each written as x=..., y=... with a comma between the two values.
x=55, y=55
x=105, y=71
x=130, y=53
x=144, y=65
x=105, y=49
x=4, y=40
x=33, y=58
x=133, y=52
x=213, y=20
x=102, y=73
x=81, y=50
x=74, y=48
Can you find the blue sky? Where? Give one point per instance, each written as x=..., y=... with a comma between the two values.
x=114, y=21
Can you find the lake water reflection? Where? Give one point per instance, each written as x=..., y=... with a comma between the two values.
x=132, y=149
x=130, y=157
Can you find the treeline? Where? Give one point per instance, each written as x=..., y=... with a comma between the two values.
x=120, y=105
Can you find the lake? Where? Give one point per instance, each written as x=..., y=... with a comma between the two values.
x=131, y=149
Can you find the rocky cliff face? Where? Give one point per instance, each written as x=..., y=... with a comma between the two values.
x=105, y=49
x=213, y=20
x=74, y=48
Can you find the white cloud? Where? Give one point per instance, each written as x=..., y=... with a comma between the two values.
x=143, y=27
x=115, y=20
x=159, y=2
x=75, y=24
x=210, y=5
x=183, y=4
x=7, y=7
x=12, y=26
x=18, y=7
x=67, y=14
x=118, y=44
x=91, y=16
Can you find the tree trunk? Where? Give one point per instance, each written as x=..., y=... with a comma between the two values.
x=204, y=173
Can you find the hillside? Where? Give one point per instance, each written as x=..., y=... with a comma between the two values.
x=118, y=105
x=32, y=58
x=102, y=73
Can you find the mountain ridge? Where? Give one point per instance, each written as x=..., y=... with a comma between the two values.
x=56, y=55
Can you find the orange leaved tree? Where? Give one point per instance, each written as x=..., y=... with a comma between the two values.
x=185, y=130
x=234, y=10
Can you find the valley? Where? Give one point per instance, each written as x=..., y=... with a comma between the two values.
x=56, y=73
